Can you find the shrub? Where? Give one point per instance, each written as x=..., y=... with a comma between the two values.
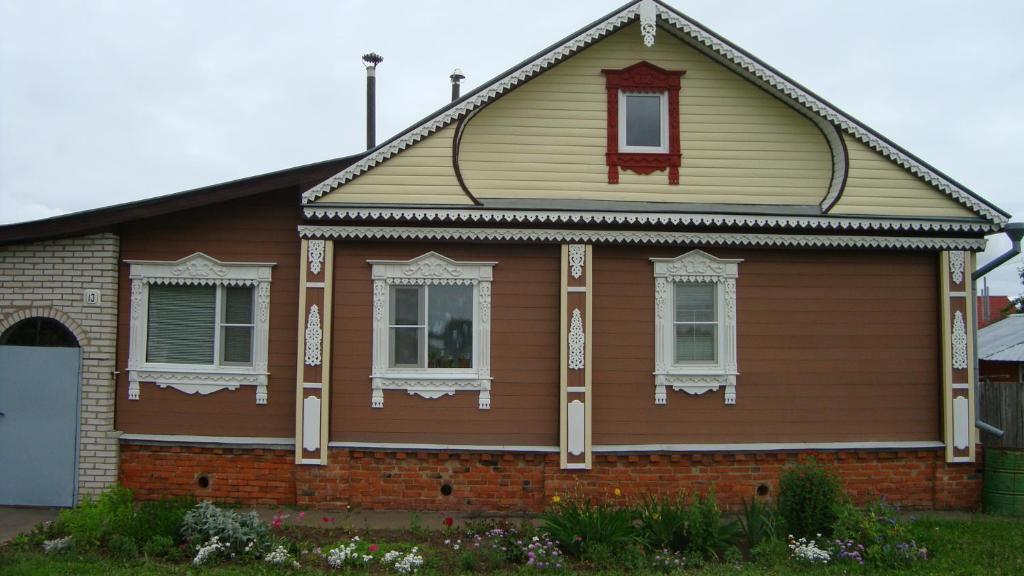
x=159, y=547
x=162, y=518
x=578, y=524
x=122, y=547
x=662, y=523
x=809, y=499
x=208, y=525
x=709, y=536
x=758, y=522
x=878, y=534
x=93, y=522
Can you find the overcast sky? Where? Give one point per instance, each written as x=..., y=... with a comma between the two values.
x=104, y=102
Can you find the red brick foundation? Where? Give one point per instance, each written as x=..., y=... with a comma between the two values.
x=516, y=482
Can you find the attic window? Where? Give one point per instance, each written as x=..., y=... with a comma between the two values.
x=643, y=120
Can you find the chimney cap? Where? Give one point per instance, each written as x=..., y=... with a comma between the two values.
x=457, y=75
x=372, y=59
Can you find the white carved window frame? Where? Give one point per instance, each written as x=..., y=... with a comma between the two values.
x=426, y=270
x=695, y=378
x=198, y=270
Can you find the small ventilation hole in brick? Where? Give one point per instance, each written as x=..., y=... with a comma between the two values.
x=762, y=489
x=203, y=481
x=446, y=489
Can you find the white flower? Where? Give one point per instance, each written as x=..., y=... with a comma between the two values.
x=206, y=551
x=280, y=557
x=57, y=545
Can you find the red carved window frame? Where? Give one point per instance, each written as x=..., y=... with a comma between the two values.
x=643, y=77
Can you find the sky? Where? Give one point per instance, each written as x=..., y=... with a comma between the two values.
x=104, y=101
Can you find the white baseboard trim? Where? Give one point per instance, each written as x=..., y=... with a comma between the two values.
x=254, y=441
x=451, y=447
x=770, y=446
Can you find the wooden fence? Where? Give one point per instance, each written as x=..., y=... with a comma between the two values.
x=1002, y=405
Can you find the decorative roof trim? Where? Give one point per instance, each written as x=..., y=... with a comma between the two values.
x=714, y=46
x=507, y=216
x=639, y=237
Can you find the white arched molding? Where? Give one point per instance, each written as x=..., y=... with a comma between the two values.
x=426, y=270
x=695, y=378
x=198, y=270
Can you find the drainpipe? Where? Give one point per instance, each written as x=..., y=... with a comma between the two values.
x=1015, y=231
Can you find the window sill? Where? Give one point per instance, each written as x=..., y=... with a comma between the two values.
x=431, y=384
x=199, y=380
x=694, y=382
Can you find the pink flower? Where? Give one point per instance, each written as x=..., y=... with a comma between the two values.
x=328, y=519
x=302, y=515
x=374, y=548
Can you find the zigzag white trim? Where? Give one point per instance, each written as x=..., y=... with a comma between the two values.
x=438, y=215
x=639, y=237
x=716, y=48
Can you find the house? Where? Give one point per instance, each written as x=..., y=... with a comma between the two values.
x=992, y=309
x=1001, y=350
x=640, y=259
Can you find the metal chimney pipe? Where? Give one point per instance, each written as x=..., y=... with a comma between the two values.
x=371, y=60
x=456, y=79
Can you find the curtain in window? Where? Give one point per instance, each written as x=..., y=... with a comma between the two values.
x=181, y=324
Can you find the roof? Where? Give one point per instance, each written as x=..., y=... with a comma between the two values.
x=100, y=219
x=825, y=114
x=1003, y=341
x=996, y=306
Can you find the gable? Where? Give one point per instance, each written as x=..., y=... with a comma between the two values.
x=751, y=138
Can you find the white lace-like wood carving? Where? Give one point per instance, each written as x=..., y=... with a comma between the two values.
x=316, y=255
x=959, y=341
x=576, y=340
x=648, y=21
x=695, y=378
x=314, y=337
x=198, y=270
x=432, y=269
x=577, y=258
x=956, y=267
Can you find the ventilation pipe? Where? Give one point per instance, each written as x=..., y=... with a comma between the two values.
x=371, y=60
x=457, y=77
x=1015, y=231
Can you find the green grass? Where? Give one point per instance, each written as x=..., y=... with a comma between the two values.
x=978, y=545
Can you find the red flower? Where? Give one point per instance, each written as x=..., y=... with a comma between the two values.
x=328, y=519
x=374, y=548
x=448, y=521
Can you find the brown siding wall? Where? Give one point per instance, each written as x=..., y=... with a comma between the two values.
x=832, y=346
x=524, y=354
x=256, y=229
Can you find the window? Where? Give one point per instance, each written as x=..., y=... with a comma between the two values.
x=199, y=325
x=695, y=325
x=643, y=120
x=431, y=327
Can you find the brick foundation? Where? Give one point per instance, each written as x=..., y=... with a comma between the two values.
x=507, y=482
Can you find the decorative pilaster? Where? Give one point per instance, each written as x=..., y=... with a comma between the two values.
x=313, y=372
x=576, y=356
x=957, y=366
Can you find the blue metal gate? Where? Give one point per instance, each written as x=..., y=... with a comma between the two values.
x=39, y=391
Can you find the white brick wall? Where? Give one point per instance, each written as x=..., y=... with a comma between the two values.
x=49, y=278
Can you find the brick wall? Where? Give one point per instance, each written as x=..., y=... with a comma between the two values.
x=518, y=482
x=49, y=279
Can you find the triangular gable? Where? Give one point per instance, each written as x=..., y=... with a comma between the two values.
x=830, y=119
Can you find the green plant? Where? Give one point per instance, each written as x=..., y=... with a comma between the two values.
x=159, y=547
x=886, y=538
x=758, y=522
x=93, y=522
x=709, y=536
x=161, y=518
x=122, y=547
x=662, y=523
x=578, y=524
x=241, y=532
x=770, y=552
x=809, y=499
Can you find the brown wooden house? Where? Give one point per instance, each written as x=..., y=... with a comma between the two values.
x=640, y=259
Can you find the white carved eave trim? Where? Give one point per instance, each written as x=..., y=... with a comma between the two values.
x=200, y=269
x=198, y=382
x=648, y=21
x=577, y=259
x=956, y=266
x=640, y=237
x=707, y=42
x=598, y=217
x=431, y=268
x=430, y=386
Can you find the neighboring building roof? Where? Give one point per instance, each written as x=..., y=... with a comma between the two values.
x=654, y=13
x=1003, y=341
x=996, y=306
x=100, y=219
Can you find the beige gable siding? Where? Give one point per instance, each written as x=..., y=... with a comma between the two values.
x=546, y=139
x=877, y=185
x=421, y=174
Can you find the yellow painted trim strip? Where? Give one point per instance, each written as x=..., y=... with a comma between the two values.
x=563, y=372
x=299, y=356
x=969, y=306
x=588, y=355
x=325, y=392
